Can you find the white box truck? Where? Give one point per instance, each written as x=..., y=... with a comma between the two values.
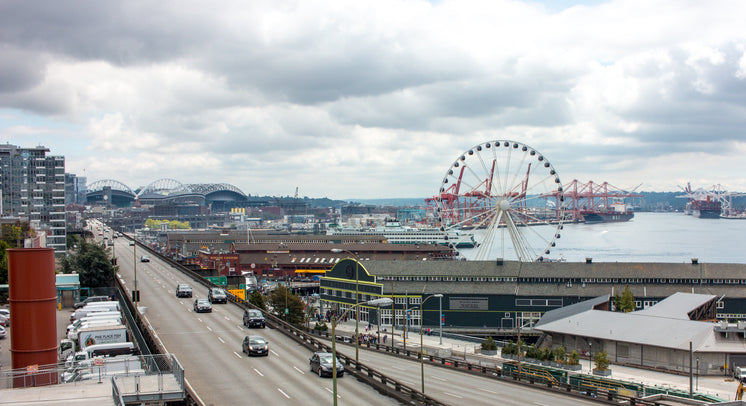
x=92, y=336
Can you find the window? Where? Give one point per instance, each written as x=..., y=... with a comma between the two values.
x=720, y=304
x=415, y=300
x=399, y=300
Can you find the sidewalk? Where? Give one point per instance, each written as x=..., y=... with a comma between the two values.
x=720, y=386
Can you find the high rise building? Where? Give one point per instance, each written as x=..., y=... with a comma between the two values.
x=32, y=185
x=75, y=189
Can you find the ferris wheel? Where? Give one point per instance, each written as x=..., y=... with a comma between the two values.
x=508, y=195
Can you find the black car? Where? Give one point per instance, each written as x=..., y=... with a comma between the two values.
x=217, y=295
x=183, y=290
x=321, y=363
x=255, y=345
x=202, y=306
x=253, y=318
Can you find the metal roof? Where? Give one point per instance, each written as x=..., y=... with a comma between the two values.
x=663, y=328
x=677, y=306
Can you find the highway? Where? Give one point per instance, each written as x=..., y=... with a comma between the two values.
x=208, y=345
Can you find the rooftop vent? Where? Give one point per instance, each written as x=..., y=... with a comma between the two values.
x=589, y=260
x=499, y=262
x=695, y=261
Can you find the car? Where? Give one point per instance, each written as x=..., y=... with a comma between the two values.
x=217, y=295
x=2, y=332
x=144, y=258
x=183, y=290
x=132, y=243
x=255, y=345
x=253, y=318
x=91, y=299
x=321, y=363
x=202, y=306
x=4, y=321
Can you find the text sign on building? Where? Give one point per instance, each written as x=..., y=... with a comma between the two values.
x=468, y=303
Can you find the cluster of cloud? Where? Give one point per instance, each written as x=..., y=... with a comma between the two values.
x=372, y=99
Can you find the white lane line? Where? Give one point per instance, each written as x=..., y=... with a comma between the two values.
x=276, y=354
x=286, y=395
x=488, y=391
x=257, y=371
x=237, y=354
x=296, y=368
x=227, y=318
x=208, y=327
x=540, y=404
x=408, y=383
x=398, y=367
x=200, y=320
x=221, y=340
x=240, y=327
x=454, y=395
x=440, y=379
x=331, y=391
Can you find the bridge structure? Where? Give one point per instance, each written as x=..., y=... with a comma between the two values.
x=113, y=193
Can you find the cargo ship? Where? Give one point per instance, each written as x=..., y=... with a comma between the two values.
x=705, y=209
x=616, y=213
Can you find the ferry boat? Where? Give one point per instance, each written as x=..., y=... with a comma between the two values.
x=395, y=233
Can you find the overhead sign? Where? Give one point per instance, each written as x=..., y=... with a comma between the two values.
x=468, y=303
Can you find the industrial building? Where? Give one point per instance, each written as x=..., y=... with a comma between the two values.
x=673, y=334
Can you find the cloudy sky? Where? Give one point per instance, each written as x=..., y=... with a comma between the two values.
x=372, y=99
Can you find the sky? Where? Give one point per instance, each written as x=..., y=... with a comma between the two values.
x=376, y=99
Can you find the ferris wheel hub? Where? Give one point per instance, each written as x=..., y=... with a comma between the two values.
x=504, y=205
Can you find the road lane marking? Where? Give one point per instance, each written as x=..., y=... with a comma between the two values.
x=454, y=395
x=257, y=371
x=488, y=391
x=398, y=367
x=208, y=327
x=440, y=379
x=200, y=319
x=237, y=354
x=227, y=318
x=286, y=395
x=276, y=354
x=240, y=327
x=331, y=391
x=221, y=340
x=296, y=368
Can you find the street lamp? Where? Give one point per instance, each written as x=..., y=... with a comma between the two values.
x=384, y=301
x=357, y=311
x=422, y=318
x=590, y=356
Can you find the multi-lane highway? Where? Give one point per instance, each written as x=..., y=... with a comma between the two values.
x=208, y=345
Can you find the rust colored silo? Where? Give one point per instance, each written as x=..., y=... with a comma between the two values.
x=33, y=308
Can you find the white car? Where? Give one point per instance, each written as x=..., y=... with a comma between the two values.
x=4, y=321
x=2, y=332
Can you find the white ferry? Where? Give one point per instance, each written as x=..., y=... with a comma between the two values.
x=395, y=233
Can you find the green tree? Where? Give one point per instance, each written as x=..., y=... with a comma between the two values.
x=282, y=298
x=92, y=262
x=257, y=299
x=627, y=300
x=489, y=344
x=601, y=360
x=574, y=358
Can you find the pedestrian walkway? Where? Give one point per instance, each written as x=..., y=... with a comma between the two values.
x=721, y=386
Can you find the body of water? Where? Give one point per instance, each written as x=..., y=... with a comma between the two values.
x=653, y=237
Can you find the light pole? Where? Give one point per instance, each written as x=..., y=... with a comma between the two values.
x=357, y=296
x=697, y=374
x=590, y=356
x=384, y=301
x=422, y=356
x=135, y=293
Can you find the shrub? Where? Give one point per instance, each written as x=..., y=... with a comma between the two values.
x=488, y=344
x=602, y=360
x=574, y=358
x=509, y=348
x=320, y=326
x=532, y=352
x=560, y=354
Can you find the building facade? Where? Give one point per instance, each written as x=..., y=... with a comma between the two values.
x=32, y=184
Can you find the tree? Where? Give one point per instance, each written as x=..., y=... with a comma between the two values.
x=489, y=344
x=257, y=299
x=601, y=359
x=627, y=301
x=92, y=262
x=574, y=358
x=282, y=298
